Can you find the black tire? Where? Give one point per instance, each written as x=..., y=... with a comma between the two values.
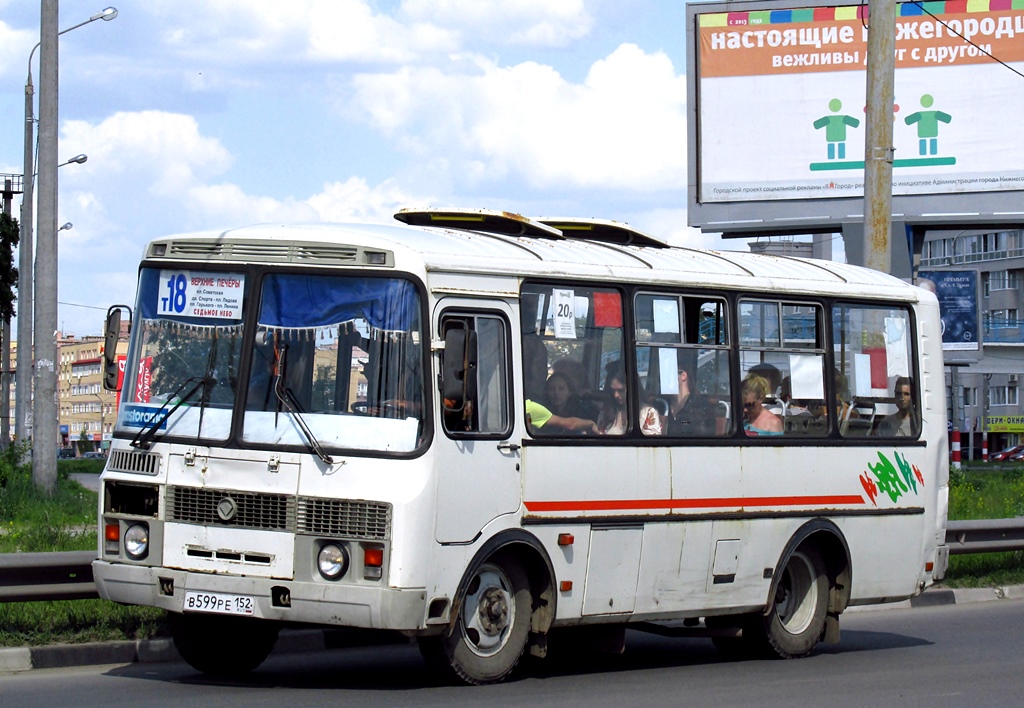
x=223, y=646
x=796, y=619
x=490, y=633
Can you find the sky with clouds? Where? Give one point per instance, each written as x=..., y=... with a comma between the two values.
x=198, y=114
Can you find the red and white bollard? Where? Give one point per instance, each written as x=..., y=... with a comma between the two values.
x=956, y=449
x=984, y=447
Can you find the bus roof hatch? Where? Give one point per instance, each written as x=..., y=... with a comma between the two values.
x=602, y=230
x=486, y=220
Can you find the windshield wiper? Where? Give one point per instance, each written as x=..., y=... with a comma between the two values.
x=287, y=399
x=148, y=431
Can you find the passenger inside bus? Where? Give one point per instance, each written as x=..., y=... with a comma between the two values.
x=561, y=399
x=773, y=380
x=613, y=419
x=576, y=373
x=903, y=422
x=844, y=408
x=541, y=420
x=759, y=420
x=690, y=412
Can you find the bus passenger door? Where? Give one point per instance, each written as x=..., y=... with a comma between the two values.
x=477, y=456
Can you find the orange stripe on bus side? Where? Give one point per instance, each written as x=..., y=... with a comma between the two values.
x=639, y=504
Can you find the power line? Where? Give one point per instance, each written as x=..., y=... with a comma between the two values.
x=76, y=304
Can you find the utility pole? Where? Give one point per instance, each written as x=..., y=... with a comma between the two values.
x=44, y=350
x=878, y=149
x=23, y=375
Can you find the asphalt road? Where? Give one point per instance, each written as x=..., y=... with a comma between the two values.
x=954, y=655
x=89, y=481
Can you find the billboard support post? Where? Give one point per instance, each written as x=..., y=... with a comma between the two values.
x=878, y=152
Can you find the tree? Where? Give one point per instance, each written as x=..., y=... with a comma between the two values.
x=10, y=234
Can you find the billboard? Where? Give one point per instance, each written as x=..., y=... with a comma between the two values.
x=957, y=291
x=778, y=112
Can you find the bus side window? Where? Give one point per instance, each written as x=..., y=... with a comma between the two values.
x=474, y=375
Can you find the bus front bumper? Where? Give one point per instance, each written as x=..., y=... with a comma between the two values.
x=273, y=599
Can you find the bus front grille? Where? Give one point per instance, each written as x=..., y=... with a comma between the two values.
x=220, y=507
x=339, y=518
x=135, y=462
x=345, y=518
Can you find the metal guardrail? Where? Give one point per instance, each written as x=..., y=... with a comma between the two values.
x=68, y=575
x=65, y=575
x=985, y=536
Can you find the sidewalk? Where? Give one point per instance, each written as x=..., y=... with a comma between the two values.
x=292, y=641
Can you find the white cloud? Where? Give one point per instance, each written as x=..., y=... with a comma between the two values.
x=165, y=149
x=350, y=30
x=245, y=32
x=623, y=127
x=355, y=200
x=15, y=46
x=227, y=205
x=522, y=22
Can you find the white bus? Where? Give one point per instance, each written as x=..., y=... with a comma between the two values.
x=476, y=428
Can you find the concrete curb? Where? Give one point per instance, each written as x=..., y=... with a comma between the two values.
x=297, y=641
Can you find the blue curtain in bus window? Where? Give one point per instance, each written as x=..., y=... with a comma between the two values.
x=295, y=300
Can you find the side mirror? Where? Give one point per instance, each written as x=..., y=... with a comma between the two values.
x=111, y=333
x=458, y=375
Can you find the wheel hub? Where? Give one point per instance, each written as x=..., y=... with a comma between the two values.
x=493, y=611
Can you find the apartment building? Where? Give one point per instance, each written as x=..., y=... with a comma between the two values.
x=983, y=390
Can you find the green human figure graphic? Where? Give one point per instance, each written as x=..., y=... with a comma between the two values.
x=835, y=129
x=928, y=126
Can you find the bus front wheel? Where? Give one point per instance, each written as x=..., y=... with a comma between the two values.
x=796, y=617
x=222, y=646
x=490, y=632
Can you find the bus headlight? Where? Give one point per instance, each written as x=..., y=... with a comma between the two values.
x=136, y=541
x=332, y=561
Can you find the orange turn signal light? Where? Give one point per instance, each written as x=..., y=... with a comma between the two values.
x=565, y=585
x=373, y=557
x=566, y=539
x=112, y=532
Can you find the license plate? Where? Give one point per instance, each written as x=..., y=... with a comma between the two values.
x=219, y=603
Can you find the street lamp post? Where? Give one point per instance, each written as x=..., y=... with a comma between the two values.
x=36, y=337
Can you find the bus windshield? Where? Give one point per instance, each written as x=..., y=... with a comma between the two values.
x=337, y=359
x=185, y=354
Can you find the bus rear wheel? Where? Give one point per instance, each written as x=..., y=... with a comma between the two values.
x=222, y=646
x=796, y=618
x=490, y=632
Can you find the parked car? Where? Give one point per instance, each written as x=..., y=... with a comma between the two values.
x=66, y=453
x=1017, y=456
x=1005, y=455
x=94, y=456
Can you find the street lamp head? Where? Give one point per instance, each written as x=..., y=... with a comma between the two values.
x=106, y=15
x=66, y=226
x=77, y=159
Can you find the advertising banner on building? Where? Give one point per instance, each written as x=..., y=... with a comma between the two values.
x=781, y=100
x=1006, y=423
x=957, y=291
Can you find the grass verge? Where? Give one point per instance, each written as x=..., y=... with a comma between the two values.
x=986, y=491
x=32, y=523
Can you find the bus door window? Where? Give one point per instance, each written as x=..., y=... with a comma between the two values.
x=782, y=361
x=474, y=386
x=571, y=338
x=873, y=359
x=682, y=355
